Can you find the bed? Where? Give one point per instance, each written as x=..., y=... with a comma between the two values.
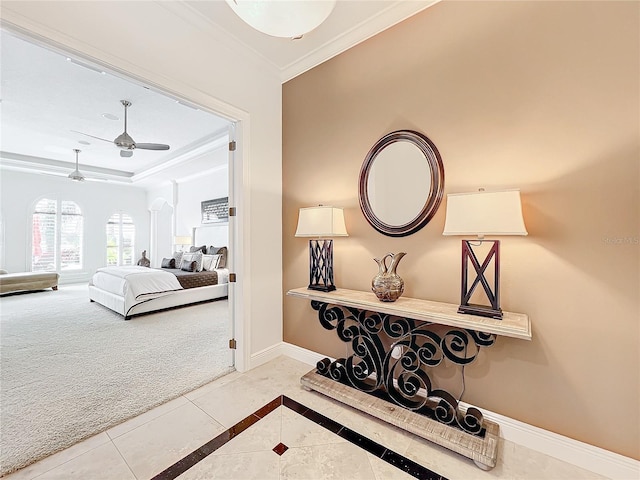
x=135, y=290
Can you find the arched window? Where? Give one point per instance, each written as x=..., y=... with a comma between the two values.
x=56, y=236
x=121, y=235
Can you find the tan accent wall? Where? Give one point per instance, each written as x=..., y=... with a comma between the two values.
x=541, y=96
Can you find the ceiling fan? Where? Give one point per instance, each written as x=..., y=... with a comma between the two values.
x=76, y=175
x=124, y=142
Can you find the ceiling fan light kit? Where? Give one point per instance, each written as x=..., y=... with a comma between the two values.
x=76, y=175
x=283, y=18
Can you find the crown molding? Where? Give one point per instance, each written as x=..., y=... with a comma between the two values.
x=191, y=152
x=220, y=34
x=387, y=18
x=395, y=13
x=39, y=165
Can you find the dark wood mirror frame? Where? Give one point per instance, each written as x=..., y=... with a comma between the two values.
x=434, y=198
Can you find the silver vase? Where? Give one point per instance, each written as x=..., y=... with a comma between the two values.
x=387, y=284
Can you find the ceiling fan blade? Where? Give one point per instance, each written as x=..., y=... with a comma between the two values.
x=92, y=136
x=152, y=146
x=126, y=153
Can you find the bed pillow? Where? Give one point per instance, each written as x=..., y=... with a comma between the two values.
x=202, y=249
x=210, y=262
x=188, y=266
x=168, y=263
x=206, y=262
x=221, y=251
x=194, y=257
x=178, y=258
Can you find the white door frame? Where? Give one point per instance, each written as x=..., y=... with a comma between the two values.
x=240, y=167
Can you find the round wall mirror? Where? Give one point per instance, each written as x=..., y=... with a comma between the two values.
x=401, y=183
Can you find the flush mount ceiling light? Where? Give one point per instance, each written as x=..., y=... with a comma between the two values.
x=283, y=18
x=76, y=175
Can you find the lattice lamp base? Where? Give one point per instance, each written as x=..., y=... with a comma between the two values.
x=321, y=265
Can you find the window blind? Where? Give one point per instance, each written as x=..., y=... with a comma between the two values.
x=56, y=236
x=121, y=233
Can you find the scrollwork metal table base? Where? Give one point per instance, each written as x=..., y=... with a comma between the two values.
x=390, y=359
x=395, y=345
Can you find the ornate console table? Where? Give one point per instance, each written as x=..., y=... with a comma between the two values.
x=394, y=345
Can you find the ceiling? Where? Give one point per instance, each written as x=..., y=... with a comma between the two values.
x=48, y=98
x=351, y=22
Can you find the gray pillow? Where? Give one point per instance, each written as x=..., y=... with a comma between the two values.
x=194, y=257
x=168, y=263
x=188, y=266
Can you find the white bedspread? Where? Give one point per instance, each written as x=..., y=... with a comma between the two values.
x=138, y=283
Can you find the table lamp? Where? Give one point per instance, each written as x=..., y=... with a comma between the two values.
x=321, y=222
x=182, y=240
x=483, y=214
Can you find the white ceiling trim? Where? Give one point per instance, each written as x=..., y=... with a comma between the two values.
x=390, y=16
x=194, y=176
x=192, y=152
x=386, y=18
x=47, y=166
x=219, y=34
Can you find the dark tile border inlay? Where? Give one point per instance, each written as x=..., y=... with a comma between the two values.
x=280, y=448
x=389, y=456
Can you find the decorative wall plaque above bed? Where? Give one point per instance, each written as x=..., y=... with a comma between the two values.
x=216, y=210
x=401, y=183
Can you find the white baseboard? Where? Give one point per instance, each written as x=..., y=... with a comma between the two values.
x=302, y=354
x=268, y=354
x=594, y=459
x=567, y=449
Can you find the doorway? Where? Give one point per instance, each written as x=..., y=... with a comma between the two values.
x=234, y=131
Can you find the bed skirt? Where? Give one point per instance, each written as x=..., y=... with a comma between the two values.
x=178, y=298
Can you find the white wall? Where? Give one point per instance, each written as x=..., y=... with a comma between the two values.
x=185, y=197
x=164, y=235
x=98, y=201
x=162, y=191
x=209, y=186
x=159, y=199
x=176, y=49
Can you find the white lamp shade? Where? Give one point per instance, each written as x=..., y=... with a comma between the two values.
x=283, y=18
x=484, y=213
x=182, y=240
x=321, y=221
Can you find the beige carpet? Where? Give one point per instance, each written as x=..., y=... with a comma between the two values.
x=70, y=368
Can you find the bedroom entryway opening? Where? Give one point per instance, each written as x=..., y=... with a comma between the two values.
x=71, y=367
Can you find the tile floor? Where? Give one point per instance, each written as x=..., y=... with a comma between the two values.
x=147, y=445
